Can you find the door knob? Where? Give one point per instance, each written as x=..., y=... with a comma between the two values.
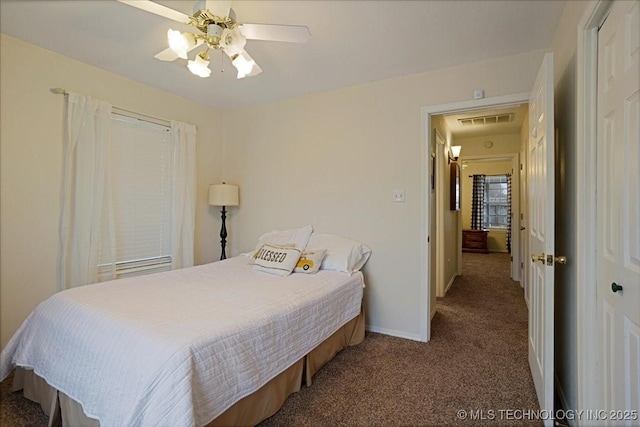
x=615, y=287
x=560, y=259
x=535, y=258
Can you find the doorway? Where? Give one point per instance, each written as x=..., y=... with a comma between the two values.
x=435, y=238
x=490, y=141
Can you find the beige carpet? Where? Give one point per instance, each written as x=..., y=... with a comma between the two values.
x=476, y=361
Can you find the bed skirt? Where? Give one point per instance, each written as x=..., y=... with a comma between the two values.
x=249, y=411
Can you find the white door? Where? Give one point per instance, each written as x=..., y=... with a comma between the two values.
x=541, y=228
x=522, y=221
x=618, y=210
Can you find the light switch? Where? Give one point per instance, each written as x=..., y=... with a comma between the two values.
x=398, y=195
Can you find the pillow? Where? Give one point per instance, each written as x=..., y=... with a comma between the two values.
x=276, y=259
x=310, y=262
x=343, y=254
x=295, y=237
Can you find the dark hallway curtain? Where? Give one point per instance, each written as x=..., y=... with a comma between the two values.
x=509, y=213
x=477, y=202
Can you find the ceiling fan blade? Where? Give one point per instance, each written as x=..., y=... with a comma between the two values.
x=158, y=9
x=166, y=55
x=218, y=7
x=277, y=33
x=169, y=55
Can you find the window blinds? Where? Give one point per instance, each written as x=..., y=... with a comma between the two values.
x=141, y=195
x=496, y=203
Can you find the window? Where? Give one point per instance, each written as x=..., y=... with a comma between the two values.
x=141, y=196
x=496, y=202
x=128, y=196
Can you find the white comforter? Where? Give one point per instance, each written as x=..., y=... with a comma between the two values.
x=178, y=348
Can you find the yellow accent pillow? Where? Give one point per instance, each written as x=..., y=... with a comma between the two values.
x=310, y=262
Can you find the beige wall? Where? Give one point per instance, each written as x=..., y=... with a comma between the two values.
x=31, y=165
x=332, y=160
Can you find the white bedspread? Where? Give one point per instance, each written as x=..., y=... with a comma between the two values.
x=178, y=348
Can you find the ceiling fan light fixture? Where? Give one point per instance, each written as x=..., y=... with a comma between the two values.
x=200, y=66
x=233, y=41
x=245, y=65
x=181, y=43
x=214, y=30
x=215, y=25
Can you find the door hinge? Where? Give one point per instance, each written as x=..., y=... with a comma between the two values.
x=521, y=166
x=521, y=266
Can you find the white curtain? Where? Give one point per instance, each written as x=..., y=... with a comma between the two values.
x=87, y=237
x=183, y=142
x=86, y=186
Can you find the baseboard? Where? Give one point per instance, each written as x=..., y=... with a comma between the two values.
x=453, y=279
x=393, y=333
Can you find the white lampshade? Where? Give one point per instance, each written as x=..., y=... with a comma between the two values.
x=245, y=65
x=223, y=195
x=233, y=41
x=455, y=151
x=181, y=43
x=200, y=66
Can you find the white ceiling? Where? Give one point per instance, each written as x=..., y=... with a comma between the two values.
x=352, y=42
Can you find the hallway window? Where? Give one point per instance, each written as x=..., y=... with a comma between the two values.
x=496, y=202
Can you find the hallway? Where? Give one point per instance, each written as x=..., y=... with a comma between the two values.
x=486, y=313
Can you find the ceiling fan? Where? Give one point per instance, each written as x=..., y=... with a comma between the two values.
x=216, y=27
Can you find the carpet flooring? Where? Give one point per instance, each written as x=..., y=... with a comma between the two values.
x=474, y=371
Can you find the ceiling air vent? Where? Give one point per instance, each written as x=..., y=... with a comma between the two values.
x=486, y=120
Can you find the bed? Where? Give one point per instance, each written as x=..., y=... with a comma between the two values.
x=217, y=344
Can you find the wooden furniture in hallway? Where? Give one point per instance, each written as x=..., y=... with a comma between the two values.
x=475, y=241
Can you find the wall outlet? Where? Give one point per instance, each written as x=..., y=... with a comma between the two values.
x=398, y=196
x=478, y=94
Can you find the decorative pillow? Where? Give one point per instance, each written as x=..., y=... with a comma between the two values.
x=276, y=259
x=310, y=262
x=296, y=237
x=343, y=254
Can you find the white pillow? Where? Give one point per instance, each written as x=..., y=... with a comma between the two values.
x=276, y=259
x=343, y=254
x=295, y=237
x=310, y=262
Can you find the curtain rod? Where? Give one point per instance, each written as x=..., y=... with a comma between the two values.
x=122, y=111
x=499, y=174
